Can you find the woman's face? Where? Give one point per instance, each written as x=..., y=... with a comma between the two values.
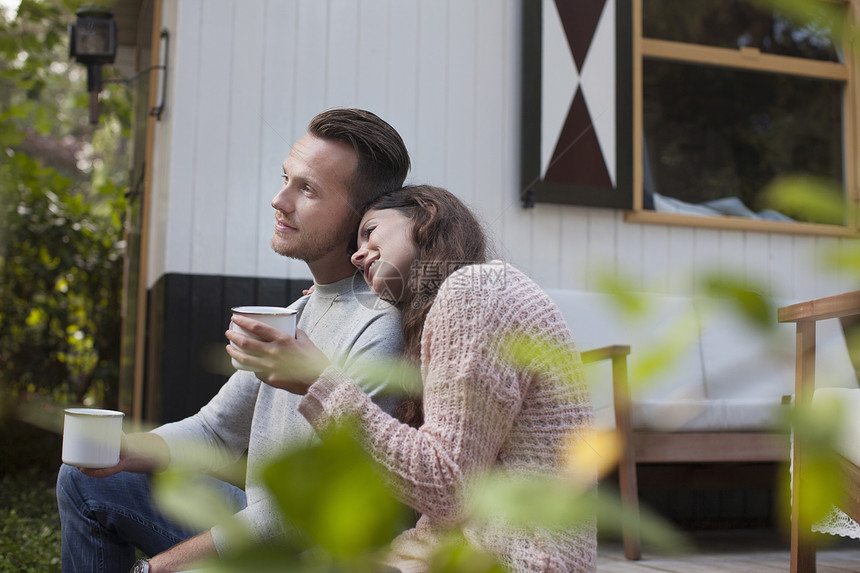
x=385, y=252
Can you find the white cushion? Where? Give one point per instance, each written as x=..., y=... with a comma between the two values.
x=833, y=367
x=728, y=375
x=708, y=415
x=596, y=320
x=743, y=361
x=848, y=401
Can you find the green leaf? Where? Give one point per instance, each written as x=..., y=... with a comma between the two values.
x=818, y=428
x=554, y=504
x=334, y=494
x=746, y=298
x=808, y=198
x=190, y=499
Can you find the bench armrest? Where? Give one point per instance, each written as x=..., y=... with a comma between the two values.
x=621, y=400
x=846, y=304
x=604, y=353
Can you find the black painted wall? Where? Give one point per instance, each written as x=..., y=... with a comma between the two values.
x=188, y=314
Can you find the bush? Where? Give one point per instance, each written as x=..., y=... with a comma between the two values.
x=29, y=522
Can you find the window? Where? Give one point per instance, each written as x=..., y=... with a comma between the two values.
x=732, y=97
x=684, y=112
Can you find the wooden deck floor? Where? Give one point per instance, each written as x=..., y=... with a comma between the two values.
x=736, y=551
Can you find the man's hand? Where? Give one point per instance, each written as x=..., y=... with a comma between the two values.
x=184, y=556
x=142, y=452
x=280, y=360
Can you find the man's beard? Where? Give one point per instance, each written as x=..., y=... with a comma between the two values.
x=308, y=249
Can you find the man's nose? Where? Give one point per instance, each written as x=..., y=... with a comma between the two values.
x=282, y=201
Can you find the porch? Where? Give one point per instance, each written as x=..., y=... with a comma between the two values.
x=732, y=551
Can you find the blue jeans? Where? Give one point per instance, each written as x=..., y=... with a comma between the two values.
x=104, y=519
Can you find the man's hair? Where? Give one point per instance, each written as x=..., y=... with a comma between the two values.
x=383, y=160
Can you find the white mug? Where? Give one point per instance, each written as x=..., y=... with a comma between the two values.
x=284, y=319
x=92, y=437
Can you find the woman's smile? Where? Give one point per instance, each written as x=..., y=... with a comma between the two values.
x=385, y=252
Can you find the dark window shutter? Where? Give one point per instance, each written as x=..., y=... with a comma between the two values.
x=576, y=143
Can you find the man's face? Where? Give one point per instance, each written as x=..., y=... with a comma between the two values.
x=313, y=217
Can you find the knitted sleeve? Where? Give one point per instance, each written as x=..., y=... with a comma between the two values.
x=470, y=401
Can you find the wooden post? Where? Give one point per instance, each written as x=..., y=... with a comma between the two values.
x=627, y=482
x=802, y=543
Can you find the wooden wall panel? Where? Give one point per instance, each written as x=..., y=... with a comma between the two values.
x=601, y=246
x=247, y=77
x=429, y=153
x=244, y=181
x=706, y=257
x=372, y=68
x=628, y=263
x=403, y=74
x=491, y=196
x=731, y=253
x=656, y=261
x=574, y=249
x=546, y=252
x=461, y=100
x=183, y=138
x=681, y=254
x=348, y=67
x=794, y=260
x=755, y=256
x=209, y=192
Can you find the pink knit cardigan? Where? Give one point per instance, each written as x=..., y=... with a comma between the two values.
x=485, y=408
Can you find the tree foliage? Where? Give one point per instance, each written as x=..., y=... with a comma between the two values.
x=61, y=206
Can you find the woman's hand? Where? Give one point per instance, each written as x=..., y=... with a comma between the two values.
x=278, y=359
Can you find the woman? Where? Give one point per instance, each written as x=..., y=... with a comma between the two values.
x=486, y=405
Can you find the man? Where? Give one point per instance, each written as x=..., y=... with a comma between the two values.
x=347, y=158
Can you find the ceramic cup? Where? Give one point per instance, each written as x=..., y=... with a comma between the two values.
x=284, y=319
x=91, y=437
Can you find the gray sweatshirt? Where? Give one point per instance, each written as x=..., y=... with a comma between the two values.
x=353, y=328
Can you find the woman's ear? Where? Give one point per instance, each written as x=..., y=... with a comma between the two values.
x=429, y=206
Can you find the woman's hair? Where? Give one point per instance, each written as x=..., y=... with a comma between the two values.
x=448, y=237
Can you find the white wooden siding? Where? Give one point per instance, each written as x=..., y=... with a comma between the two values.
x=246, y=76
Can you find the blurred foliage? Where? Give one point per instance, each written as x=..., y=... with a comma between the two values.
x=750, y=301
x=61, y=213
x=333, y=493
x=824, y=17
x=29, y=524
x=819, y=199
x=341, y=514
x=818, y=430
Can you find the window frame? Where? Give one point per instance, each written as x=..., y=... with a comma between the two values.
x=751, y=59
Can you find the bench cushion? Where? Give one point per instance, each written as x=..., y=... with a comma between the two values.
x=848, y=401
x=725, y=374
x=596, y=320
x=750, y=415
